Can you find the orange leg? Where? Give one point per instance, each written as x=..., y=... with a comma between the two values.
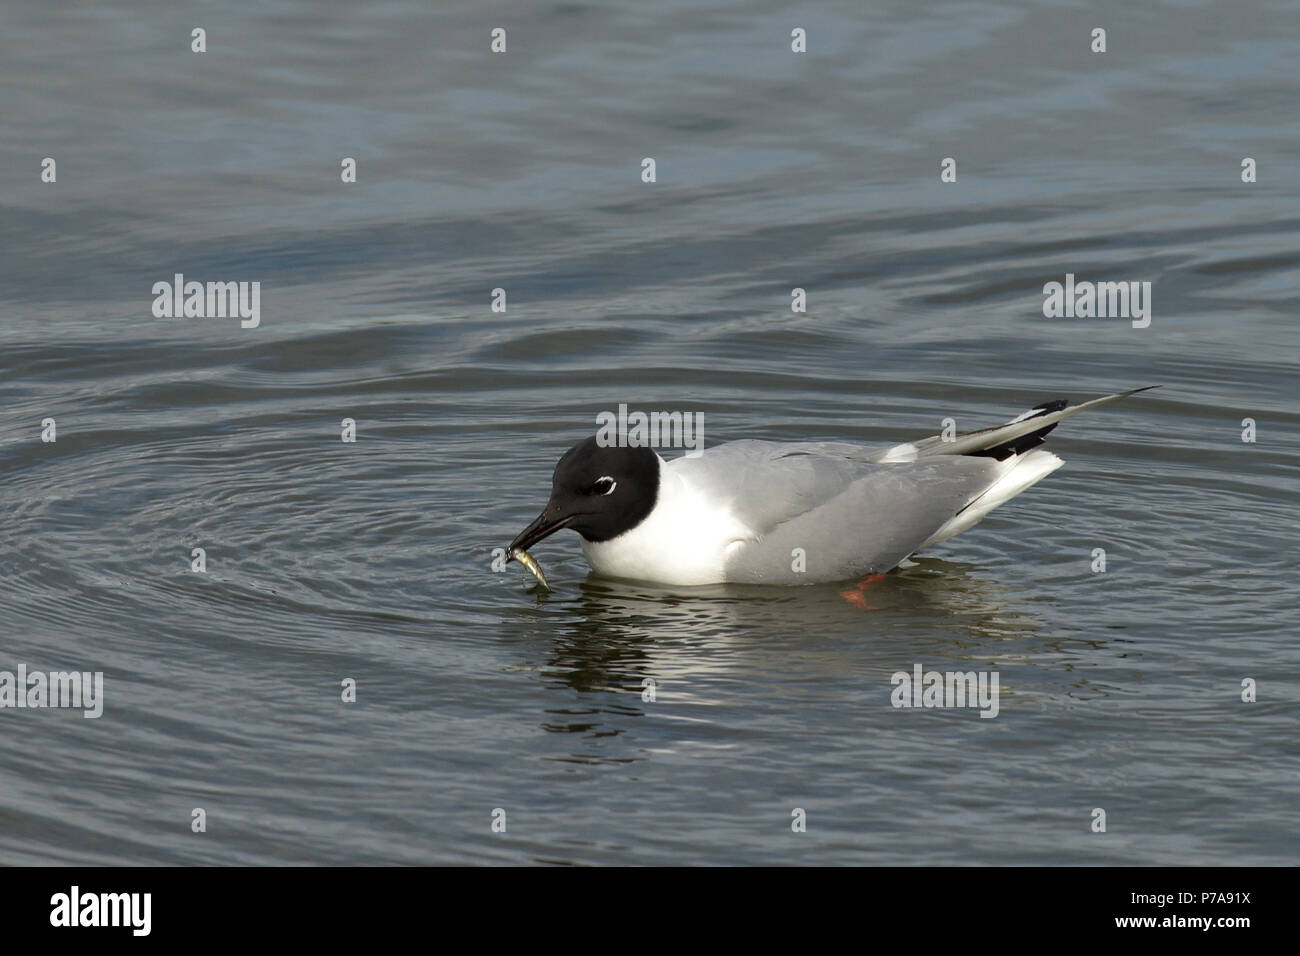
x=857, y=594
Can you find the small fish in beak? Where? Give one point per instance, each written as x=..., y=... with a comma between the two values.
x=528, y=561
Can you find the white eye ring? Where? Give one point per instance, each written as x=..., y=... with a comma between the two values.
x=612, y=484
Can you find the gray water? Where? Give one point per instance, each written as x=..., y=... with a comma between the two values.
x=372, y=560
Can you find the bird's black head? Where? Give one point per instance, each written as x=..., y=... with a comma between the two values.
x=598, y=492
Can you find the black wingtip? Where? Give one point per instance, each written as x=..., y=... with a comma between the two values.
x=1017, y=446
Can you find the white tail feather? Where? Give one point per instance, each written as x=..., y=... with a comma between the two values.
x=1027, y=469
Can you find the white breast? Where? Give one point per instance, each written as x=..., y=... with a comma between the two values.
x=684, y=540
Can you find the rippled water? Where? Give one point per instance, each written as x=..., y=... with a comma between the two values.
x=371, y=561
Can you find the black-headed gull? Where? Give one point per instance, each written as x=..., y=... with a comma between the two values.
x=762, y=512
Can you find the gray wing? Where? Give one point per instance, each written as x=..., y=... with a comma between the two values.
x=1035, y=420
x=850, y=513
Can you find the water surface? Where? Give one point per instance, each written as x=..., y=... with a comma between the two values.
x=372, y=560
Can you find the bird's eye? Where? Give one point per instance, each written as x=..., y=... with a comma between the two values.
x=603, y=486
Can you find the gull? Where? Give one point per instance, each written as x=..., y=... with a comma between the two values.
x=789, y=513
